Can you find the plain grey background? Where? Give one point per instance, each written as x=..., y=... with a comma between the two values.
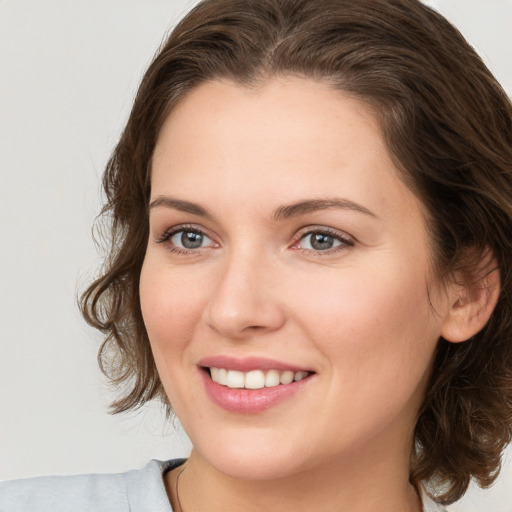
x=68, y=74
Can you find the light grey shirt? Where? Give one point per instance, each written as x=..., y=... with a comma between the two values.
x=139, y=490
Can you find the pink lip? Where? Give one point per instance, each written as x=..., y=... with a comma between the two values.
x=249, y=401
x=247, y=364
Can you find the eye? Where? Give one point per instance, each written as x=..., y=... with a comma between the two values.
x=323, y=241
x=188, y=239
x=184, y=239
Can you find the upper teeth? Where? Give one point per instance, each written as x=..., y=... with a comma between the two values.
x=255, y=379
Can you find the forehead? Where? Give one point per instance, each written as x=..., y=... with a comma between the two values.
x=285, y=119
x=269, y=100
x=298, y=136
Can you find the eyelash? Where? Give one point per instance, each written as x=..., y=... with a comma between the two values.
x=168, y=234
x=344, y=241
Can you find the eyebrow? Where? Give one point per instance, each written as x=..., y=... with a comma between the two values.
x=180, y=205
x=302, y=207
x=281, y=213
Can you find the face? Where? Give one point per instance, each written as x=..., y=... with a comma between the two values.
x=286, y=280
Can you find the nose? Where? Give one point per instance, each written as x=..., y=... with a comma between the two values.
x=246, y=299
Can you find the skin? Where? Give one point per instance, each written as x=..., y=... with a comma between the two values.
x=358, y=314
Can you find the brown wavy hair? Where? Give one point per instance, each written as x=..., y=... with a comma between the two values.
x=448, y=126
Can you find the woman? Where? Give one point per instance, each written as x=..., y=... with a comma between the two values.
x=311, y=207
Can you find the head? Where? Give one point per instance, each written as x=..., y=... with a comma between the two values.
x=447, y=129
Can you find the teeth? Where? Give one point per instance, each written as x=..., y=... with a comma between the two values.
x=223, y=377
x=255, y=379
x=272, y=379
x=235, y=379
x=286, y=378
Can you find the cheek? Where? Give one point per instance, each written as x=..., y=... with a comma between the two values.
x=373, y=324
x=377, y=336
x=171, y=304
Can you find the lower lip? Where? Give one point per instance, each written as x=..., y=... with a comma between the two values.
x=249, y=401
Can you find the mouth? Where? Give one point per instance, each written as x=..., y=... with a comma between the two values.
x=251, y=385
x=255, y=379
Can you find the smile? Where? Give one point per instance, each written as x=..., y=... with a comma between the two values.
x=255, y=379
x=251, y=385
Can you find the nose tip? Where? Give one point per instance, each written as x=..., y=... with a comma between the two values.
x=244, y=304
x=234, y=327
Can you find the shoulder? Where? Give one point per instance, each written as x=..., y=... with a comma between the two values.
x=133, y=491
x=60, y=493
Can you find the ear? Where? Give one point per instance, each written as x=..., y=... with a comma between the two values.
x=472, y=303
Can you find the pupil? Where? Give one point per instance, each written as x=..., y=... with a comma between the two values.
x=321, y=241
x=191, y=240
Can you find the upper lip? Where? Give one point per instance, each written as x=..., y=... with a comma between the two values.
x=247, y=364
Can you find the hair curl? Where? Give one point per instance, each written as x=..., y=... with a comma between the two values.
x=448, y=127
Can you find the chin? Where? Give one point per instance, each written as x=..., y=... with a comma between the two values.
x=252, y=461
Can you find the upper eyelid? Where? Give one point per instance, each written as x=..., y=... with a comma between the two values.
x=299, y=234
x=346, y=241
x=169, y=232
x=307, y=230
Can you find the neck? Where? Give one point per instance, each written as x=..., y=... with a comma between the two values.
x=361, y=485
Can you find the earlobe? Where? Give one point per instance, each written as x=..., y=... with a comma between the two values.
x=472, y=305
